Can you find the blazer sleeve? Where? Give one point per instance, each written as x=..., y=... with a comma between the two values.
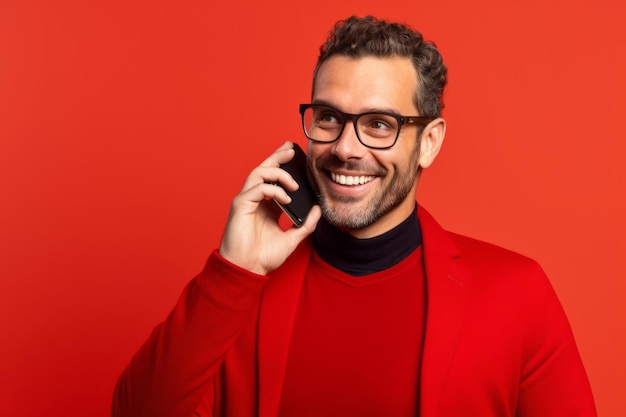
x=553, y=379
x=173, y=372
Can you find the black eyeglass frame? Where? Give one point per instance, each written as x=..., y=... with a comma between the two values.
x=402, y=120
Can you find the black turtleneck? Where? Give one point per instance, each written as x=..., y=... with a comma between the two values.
x=360, y=257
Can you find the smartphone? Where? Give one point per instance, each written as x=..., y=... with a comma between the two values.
x=303, y=199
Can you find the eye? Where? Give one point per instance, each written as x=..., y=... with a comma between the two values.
x=378, y=125
x=327, y=118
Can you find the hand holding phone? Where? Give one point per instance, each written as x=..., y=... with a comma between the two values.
x=303, y=199
x=253, y=239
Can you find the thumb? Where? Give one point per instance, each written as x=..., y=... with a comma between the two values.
x=300, y=233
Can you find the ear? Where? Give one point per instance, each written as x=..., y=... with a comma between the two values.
x=431, y=140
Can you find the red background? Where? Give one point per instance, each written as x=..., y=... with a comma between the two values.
x=127, y=127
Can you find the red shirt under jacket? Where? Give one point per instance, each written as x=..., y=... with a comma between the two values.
x=356, y=345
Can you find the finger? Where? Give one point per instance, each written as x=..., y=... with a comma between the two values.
x=281, y=155
x=299, y=233
x=261, y=192
x=274, y=176
x=261, y=175
x=265, y=172
x=315, y=214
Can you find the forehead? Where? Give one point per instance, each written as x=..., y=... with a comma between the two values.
x=367, y=83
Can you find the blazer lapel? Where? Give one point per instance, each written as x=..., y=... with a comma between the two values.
x=276, y=319
x=446, y=287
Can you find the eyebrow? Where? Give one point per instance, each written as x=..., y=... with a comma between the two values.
x=364, y=110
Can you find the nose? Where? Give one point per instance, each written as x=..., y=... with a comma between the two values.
x=348, y=145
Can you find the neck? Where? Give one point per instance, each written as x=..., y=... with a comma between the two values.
x=365, y=256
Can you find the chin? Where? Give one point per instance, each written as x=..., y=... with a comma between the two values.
x=349, y=217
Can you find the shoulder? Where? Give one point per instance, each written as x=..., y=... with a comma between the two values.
x=501, y=282
x=476, y=254
x=491, y=257
x=502, y=277
x=487, y=271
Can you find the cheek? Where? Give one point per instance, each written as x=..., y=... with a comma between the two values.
x=319, y=154
x=314, y=155
x=392, y=161
x=404, y=164
x=411, y=160
x=316, y=150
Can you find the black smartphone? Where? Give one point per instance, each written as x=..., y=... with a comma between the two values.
x=303, y=199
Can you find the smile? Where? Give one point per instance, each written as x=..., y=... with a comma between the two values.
x=350, y=179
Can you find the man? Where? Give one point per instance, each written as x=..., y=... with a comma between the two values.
x=369, y=308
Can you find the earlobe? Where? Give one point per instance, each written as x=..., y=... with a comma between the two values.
x=431, y=140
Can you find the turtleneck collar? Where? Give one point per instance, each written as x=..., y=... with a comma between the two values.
x=360, y=257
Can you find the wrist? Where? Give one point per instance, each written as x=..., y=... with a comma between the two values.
x=249, y=267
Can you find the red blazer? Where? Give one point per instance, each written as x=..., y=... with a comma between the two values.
x=497, y=341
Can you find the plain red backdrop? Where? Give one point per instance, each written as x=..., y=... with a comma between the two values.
x=127, y=127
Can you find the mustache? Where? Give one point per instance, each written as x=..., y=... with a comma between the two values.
x=332, y=163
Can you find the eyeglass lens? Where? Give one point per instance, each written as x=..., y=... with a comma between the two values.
x=325, y=124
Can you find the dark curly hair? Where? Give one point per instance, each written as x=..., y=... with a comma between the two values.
x=368, y=36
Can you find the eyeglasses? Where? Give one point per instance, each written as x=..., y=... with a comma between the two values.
x=377, y=130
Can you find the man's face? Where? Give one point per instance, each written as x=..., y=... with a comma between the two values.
x=366, y=191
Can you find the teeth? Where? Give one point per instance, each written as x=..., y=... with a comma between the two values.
x=350, y=180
